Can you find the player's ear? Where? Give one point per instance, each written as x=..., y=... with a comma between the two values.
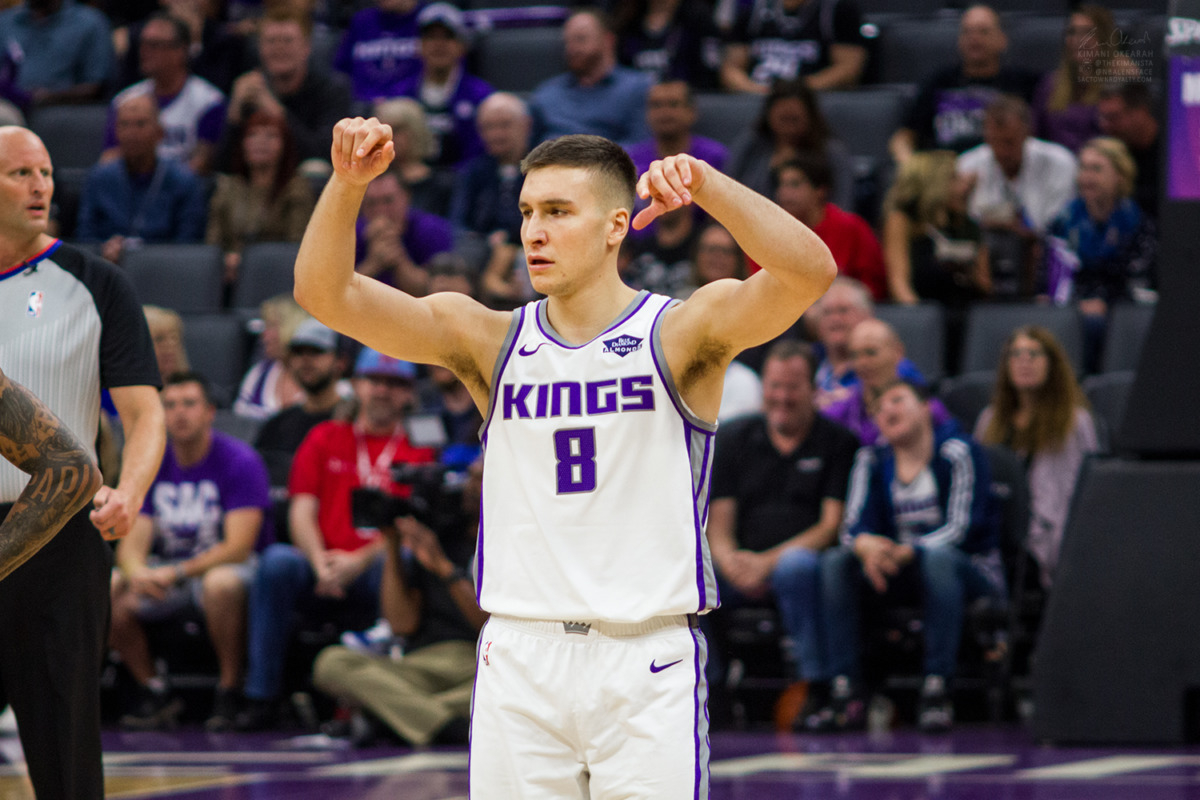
x=618, y=226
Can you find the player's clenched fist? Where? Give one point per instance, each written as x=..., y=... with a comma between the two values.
x=669, y=184
x=362, y=149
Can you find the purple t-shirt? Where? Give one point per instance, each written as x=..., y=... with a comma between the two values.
x=703, y=148
x=852, y=413
x=425, y=235
x=645, y=151
x=379, y=49
x=188, y=504
x=453, y=124
x=1070, y=127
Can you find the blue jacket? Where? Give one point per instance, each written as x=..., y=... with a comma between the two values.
x=959, y=469
x=169, y=206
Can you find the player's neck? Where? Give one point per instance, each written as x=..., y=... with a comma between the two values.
x=14, y=252
x=580, y=316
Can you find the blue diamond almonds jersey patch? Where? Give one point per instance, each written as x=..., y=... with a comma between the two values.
x=623, y=345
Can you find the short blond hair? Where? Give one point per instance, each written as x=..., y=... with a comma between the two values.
x=406, y=114
x=1118, y=155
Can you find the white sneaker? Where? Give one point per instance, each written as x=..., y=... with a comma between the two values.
x=376, y=639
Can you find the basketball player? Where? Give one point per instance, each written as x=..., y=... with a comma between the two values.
x=599, y=404
x=64, y=476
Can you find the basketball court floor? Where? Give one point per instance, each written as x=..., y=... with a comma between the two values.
x=972, y=763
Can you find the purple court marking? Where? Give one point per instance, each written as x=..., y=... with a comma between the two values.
x=972, y=763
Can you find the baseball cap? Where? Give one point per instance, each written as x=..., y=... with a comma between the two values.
x=373, y=364
x=311, y=333
x=445, y=15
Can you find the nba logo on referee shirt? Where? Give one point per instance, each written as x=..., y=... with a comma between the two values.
x=623, y=345
x=34, y=309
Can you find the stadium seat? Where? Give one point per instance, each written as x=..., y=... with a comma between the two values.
x=518, y=59
x=1035, y=41
x=1128, y=324
x=877, y=8
x=864, y=119
x=267, y=270
x=989, y=325
x=1108, y=393
x=909, y=50
x=240, y=427
x=922, y=328
x=217, y=347
x=724, y=116
x=184, y=277
x=73, y=135
x=1053, y=8
x=966, y=396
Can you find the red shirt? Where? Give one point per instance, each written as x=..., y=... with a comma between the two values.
x=327, y=466
x=855, y=248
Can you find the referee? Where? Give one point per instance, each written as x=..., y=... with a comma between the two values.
x=70, y=325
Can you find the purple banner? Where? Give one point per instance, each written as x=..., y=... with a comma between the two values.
x=1183, y=115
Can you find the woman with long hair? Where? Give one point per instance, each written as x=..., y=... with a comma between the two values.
x=1064, y=103
x=263, y=198
x=1039, y=412
x=789, y=124
x=932, y=249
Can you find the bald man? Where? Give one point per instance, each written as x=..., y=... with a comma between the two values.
x=140, y=196
x=70, y=326
x=485, y=196
x=846, y=303
x=876, y=354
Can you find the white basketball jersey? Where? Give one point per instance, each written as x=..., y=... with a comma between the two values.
x=595, y=481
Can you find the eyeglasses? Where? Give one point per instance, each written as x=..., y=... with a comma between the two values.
x=727, y=250
x=1026, y=352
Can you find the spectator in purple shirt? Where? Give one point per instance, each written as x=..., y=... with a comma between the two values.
x=876, y=352
x=449, y=95
x=670, y=115
x=396, y=240
x=380, y=47
x=191, y=549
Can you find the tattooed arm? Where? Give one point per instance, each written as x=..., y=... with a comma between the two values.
x=64, y=475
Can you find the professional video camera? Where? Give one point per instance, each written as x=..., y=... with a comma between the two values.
x=435, y=498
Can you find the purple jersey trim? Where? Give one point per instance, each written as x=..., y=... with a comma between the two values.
x=506, y=351
x=660, y=364
x=479, y=546
x=697, y=524
x=548, y=331
x=700, y=721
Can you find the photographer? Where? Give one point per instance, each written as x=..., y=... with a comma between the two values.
x=428, y=597
x=332, y=570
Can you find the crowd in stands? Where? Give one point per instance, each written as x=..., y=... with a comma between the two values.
x=841, y=482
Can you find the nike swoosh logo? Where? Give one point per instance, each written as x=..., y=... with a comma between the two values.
x=655, y=668
x=523, y=352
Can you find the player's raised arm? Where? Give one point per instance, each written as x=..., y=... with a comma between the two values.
x=64, y=476
x=439, y=329
x=797, y=266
